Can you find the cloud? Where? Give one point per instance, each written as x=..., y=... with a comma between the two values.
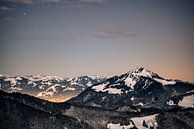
x=92, y=1
x=55, y=1
x=32, y=1
x=47, y=38
x=20, y=1
x=5, y=8
x=113, y=34
x=48, y=1
x=66, y=3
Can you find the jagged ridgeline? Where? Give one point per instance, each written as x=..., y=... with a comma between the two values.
x=138, y=99
x=137, y=88
x=52, y=88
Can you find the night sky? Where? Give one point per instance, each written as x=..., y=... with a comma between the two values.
x=97, y=37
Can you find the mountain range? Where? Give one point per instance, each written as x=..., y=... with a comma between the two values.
x=138, y=99
x=51, y=88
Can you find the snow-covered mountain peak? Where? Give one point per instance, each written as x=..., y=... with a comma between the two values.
x=127, y=82
x=136, y=74
x=142, y=72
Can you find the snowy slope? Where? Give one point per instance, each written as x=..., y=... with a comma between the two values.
x=130, y=79
x=145, y=122
x=136, y=88
x=48, y=87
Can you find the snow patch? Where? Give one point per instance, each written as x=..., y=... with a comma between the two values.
x=139, y=122
x=140, y=104
x=89, y=83
x=170, y=102
x=12, y=81
x=18, y=78
x=119, y=126
x=15, y=89
x=49, y=92
x=164, y=82
x=142, y=72
x=150, y=121
x=132, y=98
x=187, y=101
x=69, y=88
x=31, y=83
x=114, y=91
x=102, y=88
x=130, y=82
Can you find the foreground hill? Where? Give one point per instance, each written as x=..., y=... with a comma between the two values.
x=23, y=111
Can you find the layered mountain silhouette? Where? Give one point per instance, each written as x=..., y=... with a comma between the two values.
x=138, y=99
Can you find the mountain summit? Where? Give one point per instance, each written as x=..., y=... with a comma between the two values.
x=128, y=81
x=138, y=87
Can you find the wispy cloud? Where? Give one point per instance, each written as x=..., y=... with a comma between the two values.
x=20, y=1
x=33, y=1
x=5, y=8
x=92, y=1
x=49, y=1
x=54, y=1
x=67, y=4
x=47, y=38
x=113, y=34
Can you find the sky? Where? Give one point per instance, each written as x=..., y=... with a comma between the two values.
x=70, y=38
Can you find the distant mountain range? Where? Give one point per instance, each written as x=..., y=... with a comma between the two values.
x=138, y=99
x=51, y=88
